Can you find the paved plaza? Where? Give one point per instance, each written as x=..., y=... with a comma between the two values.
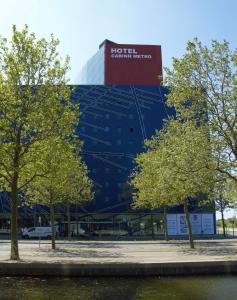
x=122, y=251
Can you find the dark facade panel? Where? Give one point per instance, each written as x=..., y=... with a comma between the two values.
x=113, y=124
x=115, y=121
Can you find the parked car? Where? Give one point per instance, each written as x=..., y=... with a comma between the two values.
x=37, y=232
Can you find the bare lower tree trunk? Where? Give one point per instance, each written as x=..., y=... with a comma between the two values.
x=152, y=226
x=14, y=225
x=165, y=224
x=77, y=220
x=68, y=222
x=14, y=201
x=52, y=221
x=223, y=221
x=190, y=233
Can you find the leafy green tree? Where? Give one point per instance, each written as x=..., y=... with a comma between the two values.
x=146, y=190
x=225, y=196
x=66, y=181
x=221, y=205
x=178, y=160
x=203, y=85
x=44, y=190
x=34, y=106
x=77, y=188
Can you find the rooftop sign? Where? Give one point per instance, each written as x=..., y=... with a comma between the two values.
x=132, y=64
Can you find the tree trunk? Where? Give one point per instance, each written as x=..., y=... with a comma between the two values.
x=190, y=234
x=152, y=227
x=223, y=221
x=52, y=221
x=68, y=222
x=14, y=225
x=165, y=224
x=14, y=202
x=77, y=221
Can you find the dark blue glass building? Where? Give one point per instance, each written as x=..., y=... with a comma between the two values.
x=115, y=120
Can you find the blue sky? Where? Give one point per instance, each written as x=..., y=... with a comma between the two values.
x=81, y=25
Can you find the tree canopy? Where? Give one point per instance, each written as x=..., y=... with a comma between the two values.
x=34, y=106
x=66, y=182
x=203, y=85
x=176, y=166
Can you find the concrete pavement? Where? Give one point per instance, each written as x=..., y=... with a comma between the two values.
x=122, y=257
x=122, y=251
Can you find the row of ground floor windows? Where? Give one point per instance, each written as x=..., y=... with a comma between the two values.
x=117, y=224
x=96, y=224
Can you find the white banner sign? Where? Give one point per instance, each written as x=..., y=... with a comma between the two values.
x=172, y=224
x=201, y=224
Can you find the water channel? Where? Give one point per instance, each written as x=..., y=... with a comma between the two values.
x=126, y=288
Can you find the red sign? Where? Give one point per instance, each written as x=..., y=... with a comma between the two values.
x=132, y=64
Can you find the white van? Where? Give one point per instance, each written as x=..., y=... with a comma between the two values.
x=37, y=232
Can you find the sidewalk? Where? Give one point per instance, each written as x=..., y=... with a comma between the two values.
x=122, y=251
x=175, y=256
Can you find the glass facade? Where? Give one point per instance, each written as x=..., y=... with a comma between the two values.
x=122, y=103
x=114, y=122
x=94, y=70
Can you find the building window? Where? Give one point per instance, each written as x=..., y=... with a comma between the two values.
x=83, y=128
x=130, y=116
x=119, y=142
x=107, y=199
x=106, y=184
x=94, y=171
x=106, y=170
x=106, y=128
x=119, y=130
x=131, y=129
x=107, y=116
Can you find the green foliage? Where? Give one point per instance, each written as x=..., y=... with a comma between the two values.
x=190, y=154
x=229, y=223
x=175, y=167
x=78, y=187
x=67, y=180
x=32, y=85
x=34, y=108
x=224, y=193
x=204, y=83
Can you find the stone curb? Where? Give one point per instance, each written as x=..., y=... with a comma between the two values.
x=118, y=269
